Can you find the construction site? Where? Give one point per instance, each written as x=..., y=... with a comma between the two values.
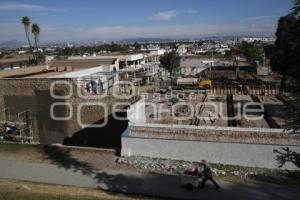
x=149, y=99
x=62, y=101
x=218, y=114
x=216, y=111
x=228, y=89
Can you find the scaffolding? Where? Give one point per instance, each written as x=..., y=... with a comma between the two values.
x=23, y=123
x=103, y=82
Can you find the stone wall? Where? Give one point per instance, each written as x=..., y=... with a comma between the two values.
x=214, y=134
x=18, y=95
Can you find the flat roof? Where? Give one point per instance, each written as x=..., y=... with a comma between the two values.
x=22, y=71
x=80, y=73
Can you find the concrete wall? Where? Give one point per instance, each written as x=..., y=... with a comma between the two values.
x=250, y=155
x=136, y=112
x=230, y=147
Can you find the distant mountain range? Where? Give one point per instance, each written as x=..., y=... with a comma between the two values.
x=145, y=40
x=16, y=43
x=166, y=40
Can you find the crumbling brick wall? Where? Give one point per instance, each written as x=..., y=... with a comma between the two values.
x=215, y=135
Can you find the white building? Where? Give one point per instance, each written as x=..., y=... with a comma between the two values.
x=181, y=50
x=199, y=51
x=135, y=68
x=257, y=39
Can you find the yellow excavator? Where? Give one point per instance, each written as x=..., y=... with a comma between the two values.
x=194, y=83
x=204, y=84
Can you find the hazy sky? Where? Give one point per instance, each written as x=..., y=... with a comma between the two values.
x=83, y=20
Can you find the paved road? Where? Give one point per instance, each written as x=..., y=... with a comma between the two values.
x=146, y=184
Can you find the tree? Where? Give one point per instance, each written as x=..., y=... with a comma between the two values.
x=35, y=29
x=67, y=51
x=26, y=23
x=228, y=55
x=3, y=54
x=251, y=52
x=287, y=54
x=296, y=8
x=269, y=50
x=170, y=61
x=287, y=48
x=286, y=61
x=40, y=57
x=137, y=46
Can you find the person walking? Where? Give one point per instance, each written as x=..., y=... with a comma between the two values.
x=207, y=175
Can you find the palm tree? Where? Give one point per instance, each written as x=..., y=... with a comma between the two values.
x=35, y=29
x=26, y=23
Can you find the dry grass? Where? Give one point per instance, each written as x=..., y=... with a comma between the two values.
x=21, y=152
x=101, y=159
x=20, y=190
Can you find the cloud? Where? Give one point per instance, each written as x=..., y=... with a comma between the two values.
x=192, y=11
x=164, y=15
x=26, y=7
